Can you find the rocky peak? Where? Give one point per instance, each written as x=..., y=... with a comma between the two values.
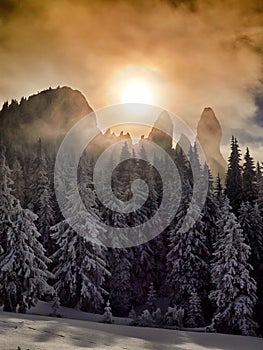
x=162, y=131
x=48, y=114
x=209, y=134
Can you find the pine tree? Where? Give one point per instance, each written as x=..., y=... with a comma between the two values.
x=233, y=188
x=107, y=316
x=187, y=259
x=210, y=212
x=80, y=269
x=132, y=314
x=23, y=264
x=146, y=319
x=252, y=225
x=55, y=306
x=174, y=316
x=123, y=174
x=249, y=179
x=194, y=316
x=120, y=288
x=80, y=260
x=157, y=317
x=234, y=290
x=218, y=188
x=259, y=177
x=151, y=298
x=19, y=182
x=149, y=257
x=41, y=200
x=28, y=170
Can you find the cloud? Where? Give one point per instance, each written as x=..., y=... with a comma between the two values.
x=204, y=53
x=258, y=118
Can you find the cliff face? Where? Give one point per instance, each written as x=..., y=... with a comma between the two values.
x=49, y=115
x=209, y=134
x=162, y=131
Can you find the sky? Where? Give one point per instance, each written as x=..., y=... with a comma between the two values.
x=191, y=54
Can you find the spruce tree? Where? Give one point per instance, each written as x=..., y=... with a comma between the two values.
x=107, y=316
x=218, y=190
x=18, y=182
x=23, y=264
x=80, y=269
x=194, y=317
x=187, y=261
x=80, y=261
x=259, y=177
x=234, y=290
x=41, y=199
x=120, y=288
x=151, y=298
x=252, y=224
x=147, y=257
x=210, y=212
x=249, y=179
x=233, y=188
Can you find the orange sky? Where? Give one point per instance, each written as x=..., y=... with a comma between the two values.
x=208, y=53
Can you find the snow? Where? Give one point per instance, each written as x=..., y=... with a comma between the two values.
x=44, y=309
x=35, y=332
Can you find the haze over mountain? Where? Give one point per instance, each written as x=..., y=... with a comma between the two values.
x=48, y=114
x=51, y=113
x=162, y=131
x=209, y=134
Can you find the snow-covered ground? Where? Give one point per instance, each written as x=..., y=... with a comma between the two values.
x=35, y=332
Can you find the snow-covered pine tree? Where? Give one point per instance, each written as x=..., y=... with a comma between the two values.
x=146, y=319
x=79, y=262
x=18, y=181
x=142, y=270
x=147, y=257
x=132, y=314
x=197, y=173
x=218, y=187
x=210, y=212
x=80, y=269
x=55, y=306
x=124, y=173
x=27, y=162
x=151, y=298
x=174, y=316
x=119, y=260
x=252, y=225
x=23, y=264
x=157, y=316
x=259, y=177
x=46, y=219
x=249, y=179
x=41, y=199
x=107, y=316
x=119, y=285
x=233, y=188
x=187, y=261
x=234, y=290
x=194, y=317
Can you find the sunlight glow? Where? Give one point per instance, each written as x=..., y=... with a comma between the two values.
x=136, y=92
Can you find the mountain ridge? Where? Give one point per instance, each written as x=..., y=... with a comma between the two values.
x=50, y=113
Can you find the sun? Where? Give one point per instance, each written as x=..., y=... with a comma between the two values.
x=137, y=91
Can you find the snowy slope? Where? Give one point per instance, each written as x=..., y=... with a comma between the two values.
x=44, y=309
x=44, y=333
